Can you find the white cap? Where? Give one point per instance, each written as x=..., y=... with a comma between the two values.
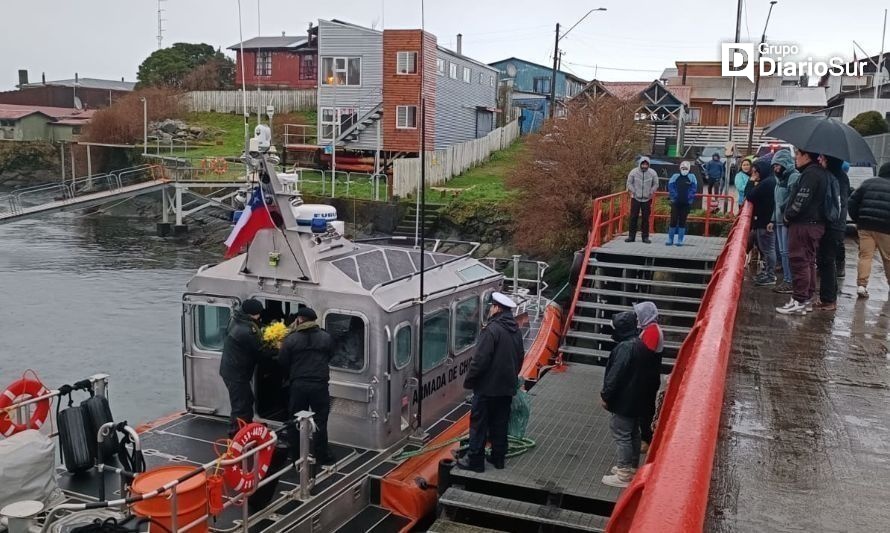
x=503, y=300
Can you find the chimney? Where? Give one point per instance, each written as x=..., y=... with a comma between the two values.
x=76, y=78
x=460, y=39
x=282, y=33
x=43, y=77
x=23, y=77
x=685, y=66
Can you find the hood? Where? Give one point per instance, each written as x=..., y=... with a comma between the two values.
x=644, y=159
x=624, y=325
x=685, y=165
x=507, y=320
x=646, y=312
x=763, y=169
x=784, y=158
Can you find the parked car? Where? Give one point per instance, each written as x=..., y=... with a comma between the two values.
x=771, y=148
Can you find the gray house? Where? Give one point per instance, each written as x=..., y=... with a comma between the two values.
x=374, y=87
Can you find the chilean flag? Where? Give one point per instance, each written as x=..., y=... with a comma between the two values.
x=255, y=217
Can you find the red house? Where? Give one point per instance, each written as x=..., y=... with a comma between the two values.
x=284, y=62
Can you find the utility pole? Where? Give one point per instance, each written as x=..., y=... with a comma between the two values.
x=752, y=116
x=160, y=25
x=553, y=75
x=729, y=159
x=878, y=78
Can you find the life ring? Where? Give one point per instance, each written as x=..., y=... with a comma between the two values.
x=237, y=478
x=31, y=388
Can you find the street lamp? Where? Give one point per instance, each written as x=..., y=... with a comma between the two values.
x=144, y=125
x=556, y=57
x=752, y=114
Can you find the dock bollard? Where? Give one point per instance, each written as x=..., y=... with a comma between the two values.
x=445, y=466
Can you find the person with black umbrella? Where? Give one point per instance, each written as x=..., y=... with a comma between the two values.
x=833, y=239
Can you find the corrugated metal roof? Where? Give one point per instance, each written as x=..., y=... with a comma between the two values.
x=15, y=112
x=281, y=41
x=87, y=83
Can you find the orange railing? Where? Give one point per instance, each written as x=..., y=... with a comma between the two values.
x=670, y=491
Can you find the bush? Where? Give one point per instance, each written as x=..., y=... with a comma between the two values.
x=869, y=123
x=566, y=165
x=122, y=123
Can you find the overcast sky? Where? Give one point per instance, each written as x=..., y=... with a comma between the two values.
x=633, y=40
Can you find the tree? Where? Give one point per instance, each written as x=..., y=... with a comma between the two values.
x=869, y=123
x=168, y=67
x=566, y=165
x=217, y=74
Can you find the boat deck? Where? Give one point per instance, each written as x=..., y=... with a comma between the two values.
x=574, y=449
x=805, y=434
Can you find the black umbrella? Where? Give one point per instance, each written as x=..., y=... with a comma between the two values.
x=822, y=135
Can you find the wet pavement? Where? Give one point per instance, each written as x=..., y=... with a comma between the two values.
x=805, y=432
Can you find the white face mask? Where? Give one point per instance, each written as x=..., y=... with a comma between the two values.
x=684, y=172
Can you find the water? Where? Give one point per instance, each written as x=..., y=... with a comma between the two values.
x=84, y=295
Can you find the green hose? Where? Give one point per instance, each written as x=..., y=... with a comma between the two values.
x=515, y=446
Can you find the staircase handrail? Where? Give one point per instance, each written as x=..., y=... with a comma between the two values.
x=345, y=133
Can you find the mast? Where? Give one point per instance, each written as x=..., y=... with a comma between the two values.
x=422, y=242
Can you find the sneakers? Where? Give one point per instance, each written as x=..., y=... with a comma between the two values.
x=862, y=292
x=621, y=478
x=783, y=288
x=465, y=463
x=764, y=280
x=793, y=307
x=810, y=304
x=826, y=306
x=615, y=469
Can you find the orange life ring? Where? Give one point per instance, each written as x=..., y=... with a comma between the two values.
x=31, y=388
x=237, y=478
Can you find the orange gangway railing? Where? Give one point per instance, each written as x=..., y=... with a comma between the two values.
x=669, y=493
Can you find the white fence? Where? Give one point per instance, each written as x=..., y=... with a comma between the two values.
x=285, y=101
x=442, y=165
x=880, y=147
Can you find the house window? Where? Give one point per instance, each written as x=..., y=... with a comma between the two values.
x=435, y=339
x=75, y=130
x=695, y=115
x=467, y=75
x=7, y=122
x=466, y=323
x=491, y=81
x=406, y=63
x=341, y=71
x=481, y=78
x=744, y=115
x=541, y=85
x=350, y=341
x=264, y=63
x=452, y=71
x=793, y=111
x=440, y=67
x=336, y=121
x=307, y=67
x=406, y=117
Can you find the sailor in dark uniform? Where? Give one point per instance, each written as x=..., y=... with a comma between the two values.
x=492, y=376
x=242, y=348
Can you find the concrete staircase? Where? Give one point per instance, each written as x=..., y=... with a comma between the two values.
x=408, y=223
x=612, y=282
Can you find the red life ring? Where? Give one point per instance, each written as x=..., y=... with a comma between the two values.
x=241, y=480
x=31, y=388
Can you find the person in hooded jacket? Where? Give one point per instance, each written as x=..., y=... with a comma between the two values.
x=786, y=179
x=833, y=239
x=714, y=171
x=642, y=182
x=630, y=373
x=682, y=188
x=242, y=348
x=870, y=210
x=653, y=338
x=761, y=194
x=493, y=376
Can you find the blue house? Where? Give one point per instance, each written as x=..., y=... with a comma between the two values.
x=531, y=89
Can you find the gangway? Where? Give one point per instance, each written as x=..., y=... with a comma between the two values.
x=81, y=193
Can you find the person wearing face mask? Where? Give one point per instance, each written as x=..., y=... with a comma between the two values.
x=492, y=377
x=681, y=189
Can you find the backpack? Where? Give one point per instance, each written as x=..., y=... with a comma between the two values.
x=832, y=203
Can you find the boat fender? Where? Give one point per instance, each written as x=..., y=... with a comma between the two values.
x=24, y=387
x=215, y=495
x=73, y=439
x=577, y=264
x=236, y=477
x=98, y=413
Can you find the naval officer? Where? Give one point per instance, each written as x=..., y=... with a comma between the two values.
x=242, y=348
x=492, y=377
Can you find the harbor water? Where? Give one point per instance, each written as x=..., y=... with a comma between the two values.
x=97, y=294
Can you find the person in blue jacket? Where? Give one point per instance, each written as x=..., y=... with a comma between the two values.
x=681, y=189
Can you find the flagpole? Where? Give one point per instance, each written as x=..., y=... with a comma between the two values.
x=244, y=98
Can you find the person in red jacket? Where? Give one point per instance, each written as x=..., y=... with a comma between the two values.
x=653, y=339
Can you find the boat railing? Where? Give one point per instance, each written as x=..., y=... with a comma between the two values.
x=529, y=288
x=369, y=186
x=21, y=409
x=169, y=490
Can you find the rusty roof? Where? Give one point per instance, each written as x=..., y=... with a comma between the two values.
x=626, y=90
x=15, y=112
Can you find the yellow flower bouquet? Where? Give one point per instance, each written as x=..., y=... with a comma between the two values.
x=274, y=334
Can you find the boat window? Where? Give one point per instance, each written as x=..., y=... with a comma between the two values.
x=474, y=272
x=279, y=311
x=372, y=265
x=466, y=323
x=435, y=339
x=211, y=323
x=348, y=332
x=403, y=346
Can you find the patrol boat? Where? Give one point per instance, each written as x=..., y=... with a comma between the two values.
x=397, y=401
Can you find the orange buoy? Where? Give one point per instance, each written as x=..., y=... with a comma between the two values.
x=23, y=389
x=215, y=494
x=191, y=497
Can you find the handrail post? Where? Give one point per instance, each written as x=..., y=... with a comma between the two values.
x=516, y=273
x=304, y=419
x=174, y=510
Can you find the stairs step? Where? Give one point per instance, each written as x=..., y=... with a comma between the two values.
x=519, y=511
x=614, y=307
x=588, y=352
x=590, y=356
x=447, y=526
x=650, y=268
x=602, y=337
x=642, y=296
x=608, y=322
x=638, y=281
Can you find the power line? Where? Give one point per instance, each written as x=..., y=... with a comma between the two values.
x=613, y=68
